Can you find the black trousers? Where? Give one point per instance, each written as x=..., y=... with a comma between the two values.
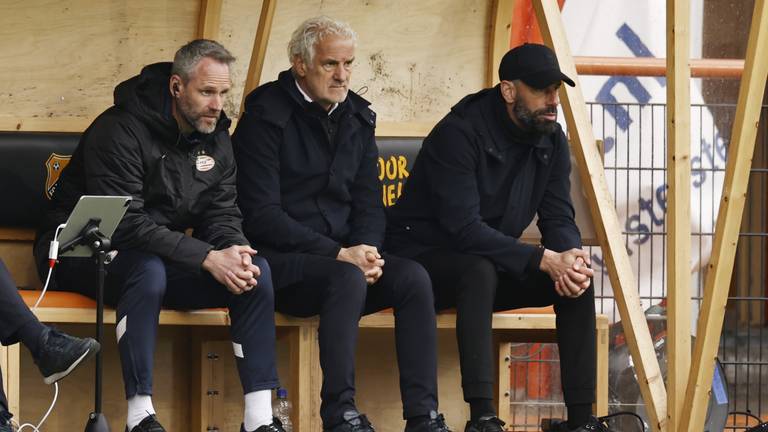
x=337, y=291
x=140, y=284
x=14, y=314
x=475, y=287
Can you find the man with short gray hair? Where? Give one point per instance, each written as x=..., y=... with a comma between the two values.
x=308, y=187
x=166, y=143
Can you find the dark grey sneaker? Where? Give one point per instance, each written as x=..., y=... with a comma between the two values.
x=436, y=423
x=485, y=424
x=61, y=353
x=276, y=426
x=149, y=424
x=5, y=421
x=353, y=422
x=558, y=425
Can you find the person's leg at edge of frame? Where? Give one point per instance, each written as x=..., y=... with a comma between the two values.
x=469, y=283
x=405, y=286
x=336, y=290
x=136, y=284
x=253, y=340
x=575, y=322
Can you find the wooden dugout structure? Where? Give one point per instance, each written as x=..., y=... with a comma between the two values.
x=689, y=377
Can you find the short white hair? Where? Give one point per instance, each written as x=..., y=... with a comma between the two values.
x=306, y=37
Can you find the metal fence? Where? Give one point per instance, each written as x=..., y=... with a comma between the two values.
x=634, y=139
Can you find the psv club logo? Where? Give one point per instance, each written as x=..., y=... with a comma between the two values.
x=54, y=166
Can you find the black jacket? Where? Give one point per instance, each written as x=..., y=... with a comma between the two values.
x=307, y=182
x=135, y=148
x=477, y=183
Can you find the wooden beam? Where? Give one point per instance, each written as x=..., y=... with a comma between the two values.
x=300, y=366
x=209, y=19
x=404, y=129
x=498, y=44
x=606, y=221
x=678, y=206
x=655, y=66
x=601, y=389
x=720, y=267
x=259, y=49
x=11, y=365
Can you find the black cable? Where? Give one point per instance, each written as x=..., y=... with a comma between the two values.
x=745, y=413
x=621, y=413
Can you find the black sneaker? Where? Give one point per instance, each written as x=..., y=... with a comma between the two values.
x=353, y=422
x=149, y=424
x=60, y=353
x=594, y=424
x=485, y=424
x=5, y=421
x=436, y=423
x=276, y=426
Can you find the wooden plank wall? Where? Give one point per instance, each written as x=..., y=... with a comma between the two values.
x=61, y=60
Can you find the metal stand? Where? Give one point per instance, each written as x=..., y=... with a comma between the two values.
x=100, y=244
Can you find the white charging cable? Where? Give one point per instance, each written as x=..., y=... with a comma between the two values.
x=45, y=417
x=53, y=253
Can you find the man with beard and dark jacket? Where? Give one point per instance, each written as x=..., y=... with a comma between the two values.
x=166, y=143
x=496, y=160
x=311, y=200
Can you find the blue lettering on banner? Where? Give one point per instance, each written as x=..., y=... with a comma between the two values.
x=711, y=154
x=718, y=389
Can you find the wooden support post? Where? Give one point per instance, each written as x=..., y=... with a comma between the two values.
x=601, y=392
x=259, y=48
x=4, y=367
x=301, y=341
x=505, y=350
x=606, y=221
x=498, y=45
x=11, y=365
x=209, y=19
x=720, y=267
x=679, y=206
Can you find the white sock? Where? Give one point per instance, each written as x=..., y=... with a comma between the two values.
x=258, y=409
x=139, y=407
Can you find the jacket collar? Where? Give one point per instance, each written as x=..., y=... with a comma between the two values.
x=276, y=102
x=487, y=113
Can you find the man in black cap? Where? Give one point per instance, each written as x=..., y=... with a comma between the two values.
x=496, y=160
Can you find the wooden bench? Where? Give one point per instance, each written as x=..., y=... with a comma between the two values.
x=300, y=335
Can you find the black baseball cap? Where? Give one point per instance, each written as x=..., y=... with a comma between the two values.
x=533, y=64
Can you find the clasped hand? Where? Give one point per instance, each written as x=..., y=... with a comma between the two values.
x=569, y=271
x=233, y=268
x=366, y=258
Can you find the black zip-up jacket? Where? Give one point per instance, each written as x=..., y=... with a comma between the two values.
x=307, y=182
x=476, y=185
x=135, y=148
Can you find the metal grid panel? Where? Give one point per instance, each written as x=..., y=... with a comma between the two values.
x=635, y=165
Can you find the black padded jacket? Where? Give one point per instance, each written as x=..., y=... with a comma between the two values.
x=177, y=181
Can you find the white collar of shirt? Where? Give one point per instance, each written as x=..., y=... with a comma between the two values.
x=309, y=99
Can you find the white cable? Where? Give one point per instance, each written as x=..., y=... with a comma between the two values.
x=53, y=253
x=45, y=417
